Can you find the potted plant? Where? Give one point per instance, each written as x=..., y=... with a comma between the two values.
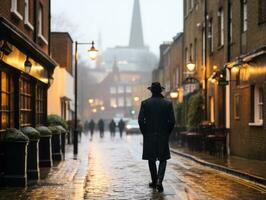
x=56, y=143
x=45, y=146
x=15, y=158
x=33, y=170
x=64, y=132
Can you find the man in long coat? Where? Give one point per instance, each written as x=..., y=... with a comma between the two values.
x=156, y=120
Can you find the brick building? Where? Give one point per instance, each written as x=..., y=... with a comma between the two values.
x=61, y=92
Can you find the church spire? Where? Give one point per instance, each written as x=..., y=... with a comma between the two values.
x=136, y=34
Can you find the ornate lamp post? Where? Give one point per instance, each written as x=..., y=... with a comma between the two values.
x=92, y=54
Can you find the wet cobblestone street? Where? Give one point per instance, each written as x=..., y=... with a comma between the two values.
x=111, y=168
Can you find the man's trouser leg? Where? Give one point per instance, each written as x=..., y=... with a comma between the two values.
x=153, y=171
x=161, y=170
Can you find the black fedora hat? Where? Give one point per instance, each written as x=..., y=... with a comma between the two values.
x=156, y=86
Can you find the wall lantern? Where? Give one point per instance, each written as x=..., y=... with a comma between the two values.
x=190, y=66
x=136, y=99
x=27, y=65
x=93, y=51
x=102, y=108
x=5, y=49
x=91, y=101
x=50, y=80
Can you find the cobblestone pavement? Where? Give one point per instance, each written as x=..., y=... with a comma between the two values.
x=64, y=180
x=116, y=171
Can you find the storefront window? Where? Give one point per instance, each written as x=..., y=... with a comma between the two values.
x=39, y=105
x=25, y=103
x=7, y=101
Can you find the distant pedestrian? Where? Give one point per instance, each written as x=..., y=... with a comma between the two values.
x=112, y=127
x=101, y=127
x=156, y=120
x=86, y=126
x=91, y=127
x=121, y=126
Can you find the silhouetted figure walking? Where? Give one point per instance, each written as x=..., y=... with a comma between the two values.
x=101, y=127
x=121, y=126
x=112, y=126
x=86, y=126
x=156, y=120
x=91, y=127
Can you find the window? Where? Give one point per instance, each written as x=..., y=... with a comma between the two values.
x=112, y=90
x=195, y=51
x=236, y=106
x=221, y=27
x=14, y=9
x=210, y=36
x=7, y=101
x=230, y=23
x=28, y=14
x=244, y=16
x=262, y=11
x=25, y=102
x=120, y=89
x=128, y=102
x=128, y=89
x=40, y=105
x=203, y=48
x=256, y=105
x=41, y=24
x=186, y=56
x=121, y=102
x=113, y=102
x=212, y=109
x=191, y=52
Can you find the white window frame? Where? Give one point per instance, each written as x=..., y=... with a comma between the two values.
x=40, y=25
x=120, y=89
x=27, y=15
x=128, y=102
x=14, y=10
x=128, y=89
x=113, y=102
x=244, y=17
x=221, y=28
x=112, y=90
x=121, y=102
x=258, y=107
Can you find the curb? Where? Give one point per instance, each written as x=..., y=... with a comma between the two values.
x=240, y=174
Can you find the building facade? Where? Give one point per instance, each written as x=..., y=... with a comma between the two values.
x=61, y=92
x=26, y=66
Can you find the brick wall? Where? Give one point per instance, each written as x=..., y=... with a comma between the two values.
x=5, y=11
x=61, y=50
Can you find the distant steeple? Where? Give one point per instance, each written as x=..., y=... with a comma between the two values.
x=136, y=34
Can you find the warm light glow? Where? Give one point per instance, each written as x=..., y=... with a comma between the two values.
x=93, y=52
x=136, y=99
x=174, y=95
x=94, y=110
x=215, y=68
x=102, y=108
x=235, y=69
x=191, y=66
x=213, y=80
x=91, y=101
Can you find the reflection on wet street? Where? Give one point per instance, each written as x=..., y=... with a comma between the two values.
x=116, y=171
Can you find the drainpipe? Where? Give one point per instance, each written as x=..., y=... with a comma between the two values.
x=205, y=57
x=228, y=87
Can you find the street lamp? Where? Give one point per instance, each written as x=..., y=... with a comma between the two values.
x=191, y=66
x=92, y=54
x=91, y=101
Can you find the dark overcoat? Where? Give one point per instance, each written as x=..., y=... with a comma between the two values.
x=156, y=120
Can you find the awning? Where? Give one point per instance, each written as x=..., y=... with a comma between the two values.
x=16, y=37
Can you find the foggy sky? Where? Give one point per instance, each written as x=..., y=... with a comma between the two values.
x=85, y=19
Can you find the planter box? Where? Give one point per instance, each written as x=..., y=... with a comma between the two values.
x=63, y=143
x=45, y=151
x=33, y=170
x=15, y=163
x=56, y=147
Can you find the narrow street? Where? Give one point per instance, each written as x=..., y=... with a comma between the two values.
x=116, y=171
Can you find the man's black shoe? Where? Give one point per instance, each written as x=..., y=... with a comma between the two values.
x=159, y=187
x=152, y=185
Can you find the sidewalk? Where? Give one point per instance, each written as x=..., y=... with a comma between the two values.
x=65, y=180
x=253, y=170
